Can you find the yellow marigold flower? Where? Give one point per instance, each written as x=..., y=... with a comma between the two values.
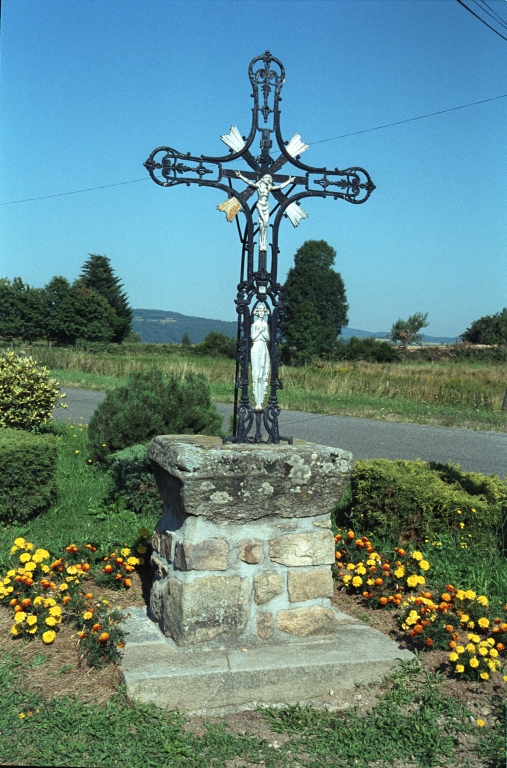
x=480, y=722
x=351, y=567
x=51, y=621
x=14, y=629
x=459, y=668
x=14, y=549
x=55, y=610
x=25, y=557
x=20, y=617
x=63, y=587
x=76, y=452
x=45, y=568
x=474, y=638
x=370, y=582
x=32, y=631
x=471, y=624
x=135, y=561
x=470, y=647
x=474, y=662
x=453, y=656
x=460, y=594
x=43, y=553
x=357, y=581
x=30, y=566
x=11, y=573
x=31, y=620
x=38, y=600
x=493, y=652
x=482, y=600
x=7, y=580
x=21, y=715
x=125, y=551
x=71, y=569
x=370, y=562
x=464, y=618
x=490, y=641
x=360, y=571
x=469, y=594
x=483, y=651
x=424, y=565
x=49, y=636
x=87, y=615
x=412, y=581
x=347, y=580
x=49, y=602
x=20, y=542
x=400, y=572
x=483, y=622
x=28, y=545
x=417, y=555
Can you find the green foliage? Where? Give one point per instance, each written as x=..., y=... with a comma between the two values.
x=152, y=403
x=316, y=303
x=368, y=349
x=27, y=474
x=133, y=338
x=402, y=500
x=407, y=331
x=22, y=311
x=216, y=345
x=185, y=339
x=27, y=394
x=98, y=275
x=76, y=312
x=490, y=329
x=134, y=481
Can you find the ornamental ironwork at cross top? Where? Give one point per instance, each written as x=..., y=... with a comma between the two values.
x=260, y=301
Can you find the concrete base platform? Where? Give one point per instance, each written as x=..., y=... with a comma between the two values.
x=214, y=682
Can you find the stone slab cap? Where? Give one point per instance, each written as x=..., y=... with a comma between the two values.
x=198, y=475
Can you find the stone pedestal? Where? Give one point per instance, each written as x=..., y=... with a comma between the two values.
x=243, y=551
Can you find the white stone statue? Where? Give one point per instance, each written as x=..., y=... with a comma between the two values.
x=259, y=354
x=264, y=186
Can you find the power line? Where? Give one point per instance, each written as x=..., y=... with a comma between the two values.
x=411, y=119
x=481, y=19
x=75, y=192
x=321, y=141
x=482, y=4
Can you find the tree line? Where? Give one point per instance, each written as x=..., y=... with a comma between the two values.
x=92, y=308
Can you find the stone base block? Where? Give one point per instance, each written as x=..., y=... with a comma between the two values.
x=218, y=681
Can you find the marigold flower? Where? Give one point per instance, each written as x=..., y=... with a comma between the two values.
x=87, y=615
x=429, y=642
x=474, y=662
x=49, y=636
x=128, y=582
x=66, y=599
x=25, y=557
x=500, y=646
x=356, y=581
x=480, y=723
x=51, y=621
x=400, y=572
x=31, y=620
x=424, y=565
x=464, y=618
x=96, y=627
x=460, y=649
x=469, y=594
x=417, y=555
x=483, y=622
x=63, y=587
x=118, y=576
x=108, y=568
x=459, y=668
x=19, y=617
x=103, y=637
x=493, y=652
x=350, y=534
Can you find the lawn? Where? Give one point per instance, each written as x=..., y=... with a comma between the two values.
x=56, y=709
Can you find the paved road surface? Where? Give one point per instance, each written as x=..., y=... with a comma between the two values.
x=367, y=439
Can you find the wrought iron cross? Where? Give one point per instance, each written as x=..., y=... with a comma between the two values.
x=258, y=285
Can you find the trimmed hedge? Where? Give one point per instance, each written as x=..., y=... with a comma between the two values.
x=27, y=474
x=404, y=500
x=134, y=481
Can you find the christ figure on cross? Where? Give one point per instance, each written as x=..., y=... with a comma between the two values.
x=264, y=186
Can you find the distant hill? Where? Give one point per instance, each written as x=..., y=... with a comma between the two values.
x=155, y=326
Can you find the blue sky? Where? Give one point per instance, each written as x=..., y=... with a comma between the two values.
x=90, y=87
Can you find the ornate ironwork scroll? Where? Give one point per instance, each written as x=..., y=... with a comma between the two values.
x=259, y=285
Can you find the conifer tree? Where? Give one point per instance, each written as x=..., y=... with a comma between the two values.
x=98, y=275
x=316, y=303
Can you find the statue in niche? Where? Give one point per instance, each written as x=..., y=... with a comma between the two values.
x=264, y=186
x=259, y=355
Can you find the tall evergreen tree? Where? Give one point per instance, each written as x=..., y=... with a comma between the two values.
x=21, y=310
x=98, y=275
x=316, y=303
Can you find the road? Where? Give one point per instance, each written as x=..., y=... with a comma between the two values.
x=484, y=452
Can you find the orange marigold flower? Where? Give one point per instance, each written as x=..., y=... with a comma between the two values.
x=383, y=600
x=398, y=596
x=449, y=628
x=14, y=601
x=455, y=636
x=96, y=627
x=386, y=567
x=429, y=642
x=366, y=594
x=453, y=644
x=127, y=582
x=446, y=597
x=18, y=608
x=66, y=599
x=497, y=620
x=103, y=637
x=338, y=537
x=338, y=555
x=378, y=582
x=359, y=543
x=108, y=568
x=449, y=588
x=418, y=629
x=118, y=576
x=351, y=535
x=402, y=552
x=89, y=596
x=85, y=567
x=26, y=602
x=390, y=599
x=500, y=647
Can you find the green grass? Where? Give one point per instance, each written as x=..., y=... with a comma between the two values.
x=414, y=721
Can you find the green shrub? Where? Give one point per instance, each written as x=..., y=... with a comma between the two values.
x=216, y=345
x=416, y=500
x=368, y=349
x=27, y=394
x=152, y=403
x=134, y=481
x=27, y=474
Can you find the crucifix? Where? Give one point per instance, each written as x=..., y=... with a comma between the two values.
x=260, y=303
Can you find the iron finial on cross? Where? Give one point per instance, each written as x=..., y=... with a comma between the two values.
x=168, y=167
